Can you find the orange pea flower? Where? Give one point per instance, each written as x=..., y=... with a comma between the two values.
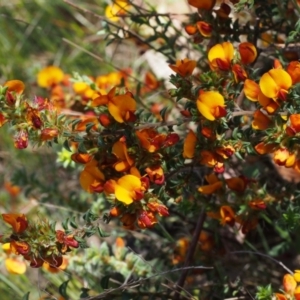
x=124, y=162
x=81, y=158
x=189, y=145
x=19, y=247
x=295, y=124
x=211, y=105
x=184, y=67
x=225, y=151
x=227, y=215
x=53, y=269
x=293, y=69
x=203, y=4
x=91, y=178
x=260, y=121
x=248, y=53
x=220, y=56
x=253, y=93
x=257, y=204
x=263, y=148
x=16, y=86
x=239, y=73
x=50, y=76
x=289, y=283
x=48, y=134
x=121, y=107
x=251, y=90
x=283, y=157
x=237, y=184
x=275, y=84
x=150, y=139
x=214, y=185
x=18, y=222
x=156, y=174
x=280, y=156
x=86, y=119
x=146, y=219
x=204, y=28
x=161, y=209
x=128, y=189
x=208, y=158
x=190, y=29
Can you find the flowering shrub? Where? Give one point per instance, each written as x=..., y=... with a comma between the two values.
x=197, y=162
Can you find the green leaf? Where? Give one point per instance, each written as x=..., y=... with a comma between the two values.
x=66, y=145
x=63, y=289
x=26, y=296
x=102, y=233
x=104, y=282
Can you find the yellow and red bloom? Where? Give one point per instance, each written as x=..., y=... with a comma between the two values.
x=248, y=53
x=146, y=219
x=263, y=148
x=121, y=107
x=124, y=162
x=161, y=209
x=294, y=125
x=257, y=204
x=227, y=215
x=48, y=134
x=211, y=105
x=91, y=178
x=220, y=56
x=253, y=93
x=239, y=73
x=204, y=28
x=18, y=222
x=184, y=67
x=50, y=76
x=19, y=247
x=156, y=174
x=275, y=84
x=260, y=121
x=214, y=185
x=208, y=158
x=129, y=188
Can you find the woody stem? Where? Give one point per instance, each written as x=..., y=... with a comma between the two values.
x=190, y=253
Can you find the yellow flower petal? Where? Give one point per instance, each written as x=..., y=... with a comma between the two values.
x=49, y=76
x=15, y=266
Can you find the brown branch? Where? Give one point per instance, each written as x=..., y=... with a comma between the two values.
x=138, y=282
x=191, y=252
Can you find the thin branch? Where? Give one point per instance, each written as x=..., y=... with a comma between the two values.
x=138, y=282
x=191, y=252
x=267, y=256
